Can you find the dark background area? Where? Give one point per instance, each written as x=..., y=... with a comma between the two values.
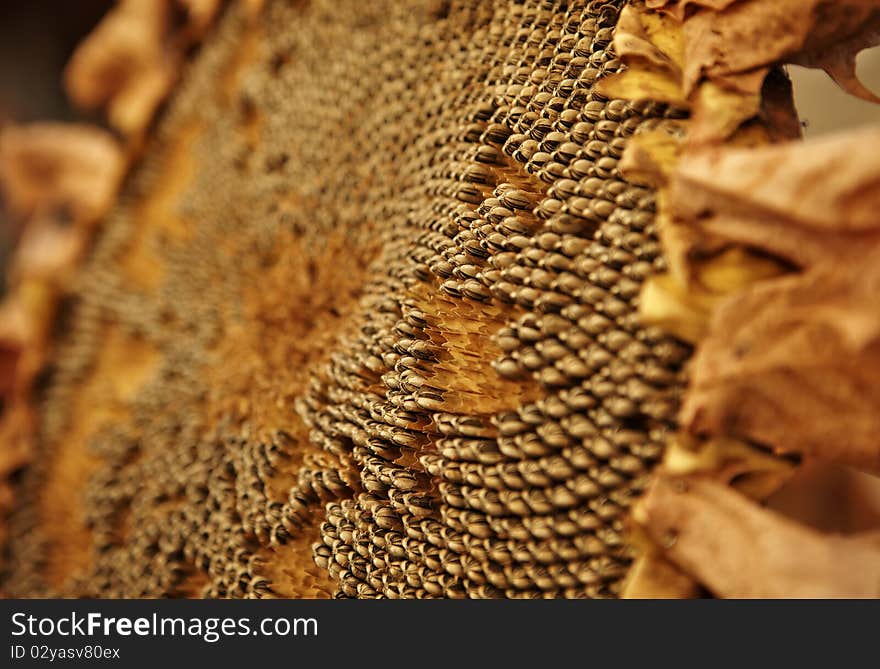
x=36, y=39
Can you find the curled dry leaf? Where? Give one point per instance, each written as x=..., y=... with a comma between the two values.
x=804, y=202
x=651, y=156
x=781, y=355
x=129, y=63
x=59, y=170
x=714, y=57
x=746, y=468
x=682, y=300
x=793, y=362
x=737, y=549
x=679, y=8
x=787, y=357
x=653, y=46
x=736, y=45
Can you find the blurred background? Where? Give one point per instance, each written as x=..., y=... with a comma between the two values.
x=37, y=38
x=824, y=107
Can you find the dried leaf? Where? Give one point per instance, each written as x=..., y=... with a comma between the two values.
x=653, y=47
x=737, y=549
x=794, y=362
x=645, y=83
x=787, y=357
x=781, y=357
x=650, y=45
x=803, y=202
x=130, y=62
x=679, y=8
x=649, y=37
x=847, y=31
x=652, y=577
x=750, y=36
x=683, y=300
x=718, y=112
x=59, y=170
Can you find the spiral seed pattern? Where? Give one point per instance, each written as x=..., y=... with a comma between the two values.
x=364, y=323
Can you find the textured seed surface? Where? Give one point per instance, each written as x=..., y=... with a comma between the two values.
x=364, y=323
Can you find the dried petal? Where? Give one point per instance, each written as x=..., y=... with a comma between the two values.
x=793, y=363
x=803, y=202
x=67, y=171
x=129, y=63
x=678, y=8
x=652, y=577
x=651, y=46
x=750, y=36
x=737, y=549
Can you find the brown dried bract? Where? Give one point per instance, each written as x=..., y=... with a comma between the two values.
x=787, y=358
x=130, y=62
x=772, y=255
x=737, y=549
x=63, y=170
x=679, y=8
x=734, y=46
x=714, y=58
x=793, y=363
x=803, y=202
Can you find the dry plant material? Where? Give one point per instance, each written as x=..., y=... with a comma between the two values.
x=736, y=46
x=738, y=549
x=380, y=321
x=58, y=170
x=717, y=59
x=784, y=359
x=130, y=62
x=60, y=179
x=772, y=253
x=362, y=324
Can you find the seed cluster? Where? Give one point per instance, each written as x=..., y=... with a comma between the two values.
x=364, y=323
